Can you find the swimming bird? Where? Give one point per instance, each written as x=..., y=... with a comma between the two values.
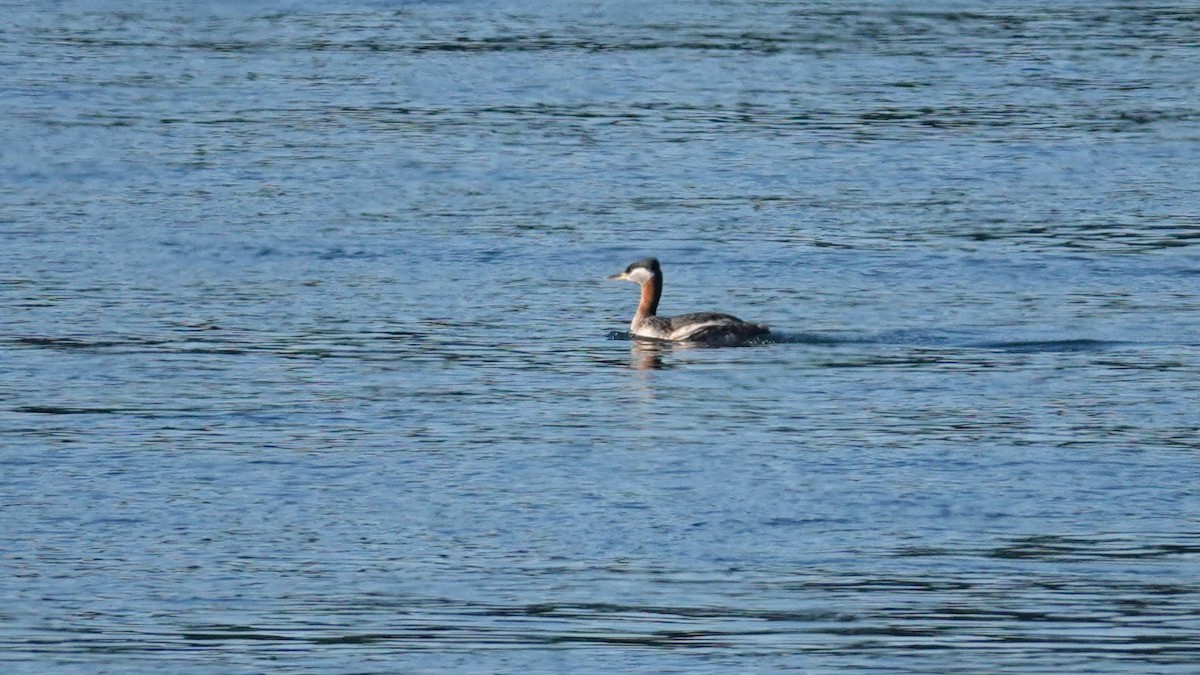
x=698, y=327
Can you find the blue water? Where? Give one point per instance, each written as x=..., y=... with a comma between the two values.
x=307, y=363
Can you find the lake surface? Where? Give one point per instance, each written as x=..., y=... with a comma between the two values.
x=307, y=363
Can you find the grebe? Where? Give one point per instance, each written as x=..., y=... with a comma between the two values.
x=698, y=327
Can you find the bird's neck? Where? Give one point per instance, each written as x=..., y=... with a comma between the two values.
x=651, y=292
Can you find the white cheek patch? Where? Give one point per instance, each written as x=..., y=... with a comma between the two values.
x=640, y=275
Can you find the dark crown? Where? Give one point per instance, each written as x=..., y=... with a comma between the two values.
x=650, y=264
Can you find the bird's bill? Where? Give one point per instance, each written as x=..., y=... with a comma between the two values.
x=618, y=277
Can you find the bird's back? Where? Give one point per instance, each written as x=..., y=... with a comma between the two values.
x=704, y=327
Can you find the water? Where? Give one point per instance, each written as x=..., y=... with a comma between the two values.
x=308, y=364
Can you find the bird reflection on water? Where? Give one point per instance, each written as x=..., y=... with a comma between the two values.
x=648, y=354
x=651, y=354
